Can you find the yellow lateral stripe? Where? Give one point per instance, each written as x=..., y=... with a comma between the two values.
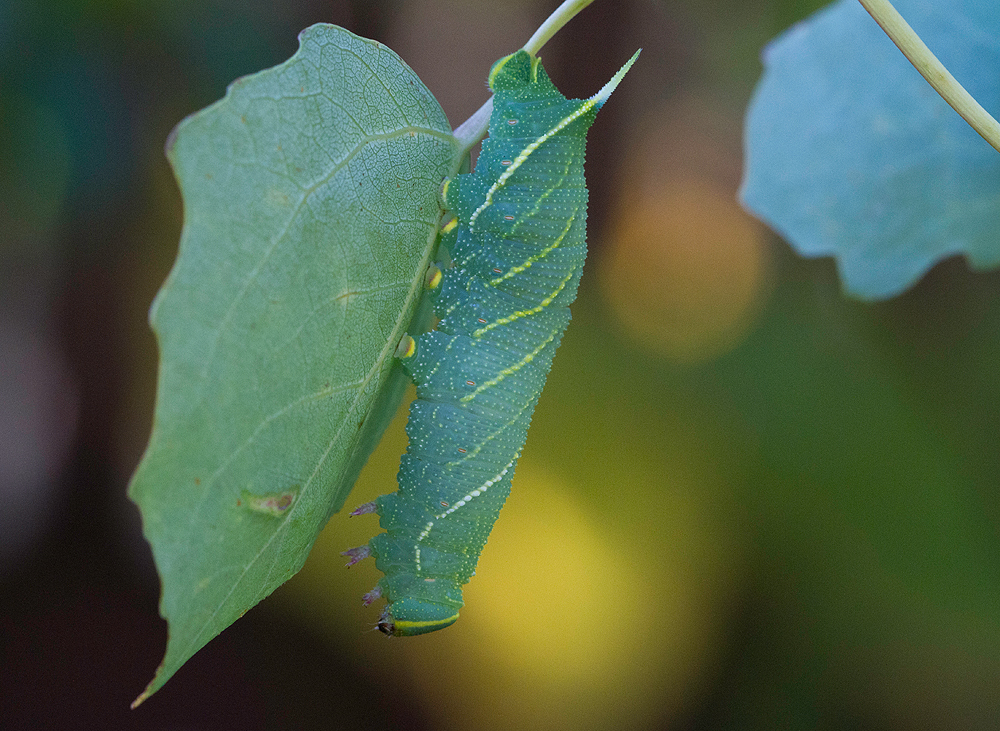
x=496, y=69
x=540, y=255
x=543, y=197
x=478, y=448
x=525, y=313
x=511, y=370
x=404, y=623
x=525, y=154
x=473, y=494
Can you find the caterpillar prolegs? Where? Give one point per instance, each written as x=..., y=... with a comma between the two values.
x=517, y=243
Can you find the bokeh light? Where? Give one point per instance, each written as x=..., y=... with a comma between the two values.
x=685, y=269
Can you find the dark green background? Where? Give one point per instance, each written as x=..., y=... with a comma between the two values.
x=853, y=445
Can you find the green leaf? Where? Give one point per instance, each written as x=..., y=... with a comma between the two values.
x=850, y=153
x=311, y=212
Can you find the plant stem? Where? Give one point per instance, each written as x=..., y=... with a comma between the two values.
x=560, y=17
x=469, y=132
x=918, y=54
x=474, y=128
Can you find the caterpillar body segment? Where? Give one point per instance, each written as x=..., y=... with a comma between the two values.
x=517, y=245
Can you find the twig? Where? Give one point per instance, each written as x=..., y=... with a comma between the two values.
x=917, y=52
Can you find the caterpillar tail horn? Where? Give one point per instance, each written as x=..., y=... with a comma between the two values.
x=602, y=96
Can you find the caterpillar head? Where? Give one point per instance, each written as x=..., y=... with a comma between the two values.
x=407, y=617
x=514, y=71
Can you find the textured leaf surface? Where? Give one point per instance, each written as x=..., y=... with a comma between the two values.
x=310, y=195
x=850, y=153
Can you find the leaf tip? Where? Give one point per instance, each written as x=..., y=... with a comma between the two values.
x=154, y=685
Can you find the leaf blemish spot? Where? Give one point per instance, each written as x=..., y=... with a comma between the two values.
x=346, y=295
x=274, y=504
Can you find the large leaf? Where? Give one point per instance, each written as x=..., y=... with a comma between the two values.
x=310, y=197
x=850, y=153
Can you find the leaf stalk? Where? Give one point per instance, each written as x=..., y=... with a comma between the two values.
x=472, y=130
x=924, y=61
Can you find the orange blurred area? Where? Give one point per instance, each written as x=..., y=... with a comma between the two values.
x=685, y=269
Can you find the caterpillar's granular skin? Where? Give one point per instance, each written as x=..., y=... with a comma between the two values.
x=518, y=243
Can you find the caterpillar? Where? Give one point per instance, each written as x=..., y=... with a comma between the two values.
x=517, y=241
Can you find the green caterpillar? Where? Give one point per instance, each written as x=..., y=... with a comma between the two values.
x=518, y=243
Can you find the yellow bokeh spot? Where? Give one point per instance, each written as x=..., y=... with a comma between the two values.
x=558, y=590
x=578, y=617
x=566, y=625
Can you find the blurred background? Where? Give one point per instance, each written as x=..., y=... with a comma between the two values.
x=746, y=501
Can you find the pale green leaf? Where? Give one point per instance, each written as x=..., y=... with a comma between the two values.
x=310, y=202
x=851, y=154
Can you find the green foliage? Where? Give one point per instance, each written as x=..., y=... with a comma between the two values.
x=311, y=212
x=851, y=154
